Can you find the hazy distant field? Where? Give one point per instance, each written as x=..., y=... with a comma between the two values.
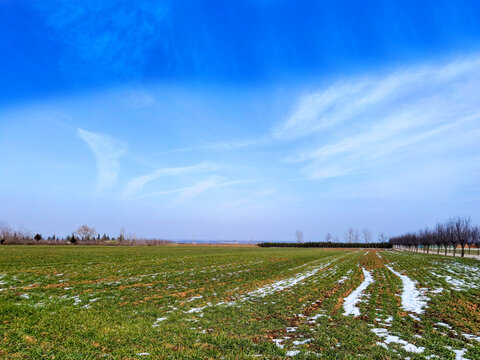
x=235, y=302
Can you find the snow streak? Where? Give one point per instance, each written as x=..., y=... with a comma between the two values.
x=412, y=299
x=350, y=302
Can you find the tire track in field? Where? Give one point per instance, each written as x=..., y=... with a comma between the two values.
x=350, y=302
x=266, y=290
x=384, y=303
x=413, y=298
x=289, y=334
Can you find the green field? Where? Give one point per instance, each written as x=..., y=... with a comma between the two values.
x=82, y=302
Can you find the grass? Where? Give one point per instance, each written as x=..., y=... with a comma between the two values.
x=230, y=302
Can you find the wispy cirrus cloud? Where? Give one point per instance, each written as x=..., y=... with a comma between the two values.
x=107, y=152
x=370, y=98
x=363, y=125
x=136, y=185
x=232, y=145
x=189, y=192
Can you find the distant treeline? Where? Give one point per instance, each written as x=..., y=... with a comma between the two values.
x=450, y=234
x=329, y=244
x=84, y=235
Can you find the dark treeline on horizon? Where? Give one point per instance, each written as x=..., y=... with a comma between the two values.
x=329, y=244
x=450, y=234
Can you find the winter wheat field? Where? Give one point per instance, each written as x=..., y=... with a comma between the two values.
x=236, y=302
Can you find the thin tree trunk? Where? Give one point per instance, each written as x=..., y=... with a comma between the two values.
x=463, y=250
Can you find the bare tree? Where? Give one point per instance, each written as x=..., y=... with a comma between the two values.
x=86, y=233
x=5, y=232
x=439, y=237
x=350, y=235
x=476, y=238
x=367, y=235
x=299, y=236
x=426, y=238
x=382, y=237
x=444, y=233
x=462, y=230
x=455, y=232
x=122, y=235
x=328, y=237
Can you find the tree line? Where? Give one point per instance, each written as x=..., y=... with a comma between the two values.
x=84, y=235
x=329, y=244
x=454, y=233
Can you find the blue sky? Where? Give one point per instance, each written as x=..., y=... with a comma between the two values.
x=246, y=120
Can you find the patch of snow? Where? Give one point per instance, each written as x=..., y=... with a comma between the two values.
x=349, y=303
x=415, y=317
x=472, y=337
x=382, y=345
x=383, y=333
x=278, y=342
x=461, y=275
x=456, y=284
x=156, y=323
x=412, y=299
x=197, y=309
x=345, y=277
x=282, y=284
x=298, y=342
x=458, y=353
x=293, y=352
x=444, y=325
x=315, y=317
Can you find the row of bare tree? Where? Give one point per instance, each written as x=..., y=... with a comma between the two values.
x=351, y=236
x=458, y=232
x=83, y=235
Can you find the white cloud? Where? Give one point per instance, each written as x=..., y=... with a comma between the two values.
x=362, y=125
x=135, y=185
x=107, y=152
x=361, y=98
x=189, y=192
x=224, y=145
